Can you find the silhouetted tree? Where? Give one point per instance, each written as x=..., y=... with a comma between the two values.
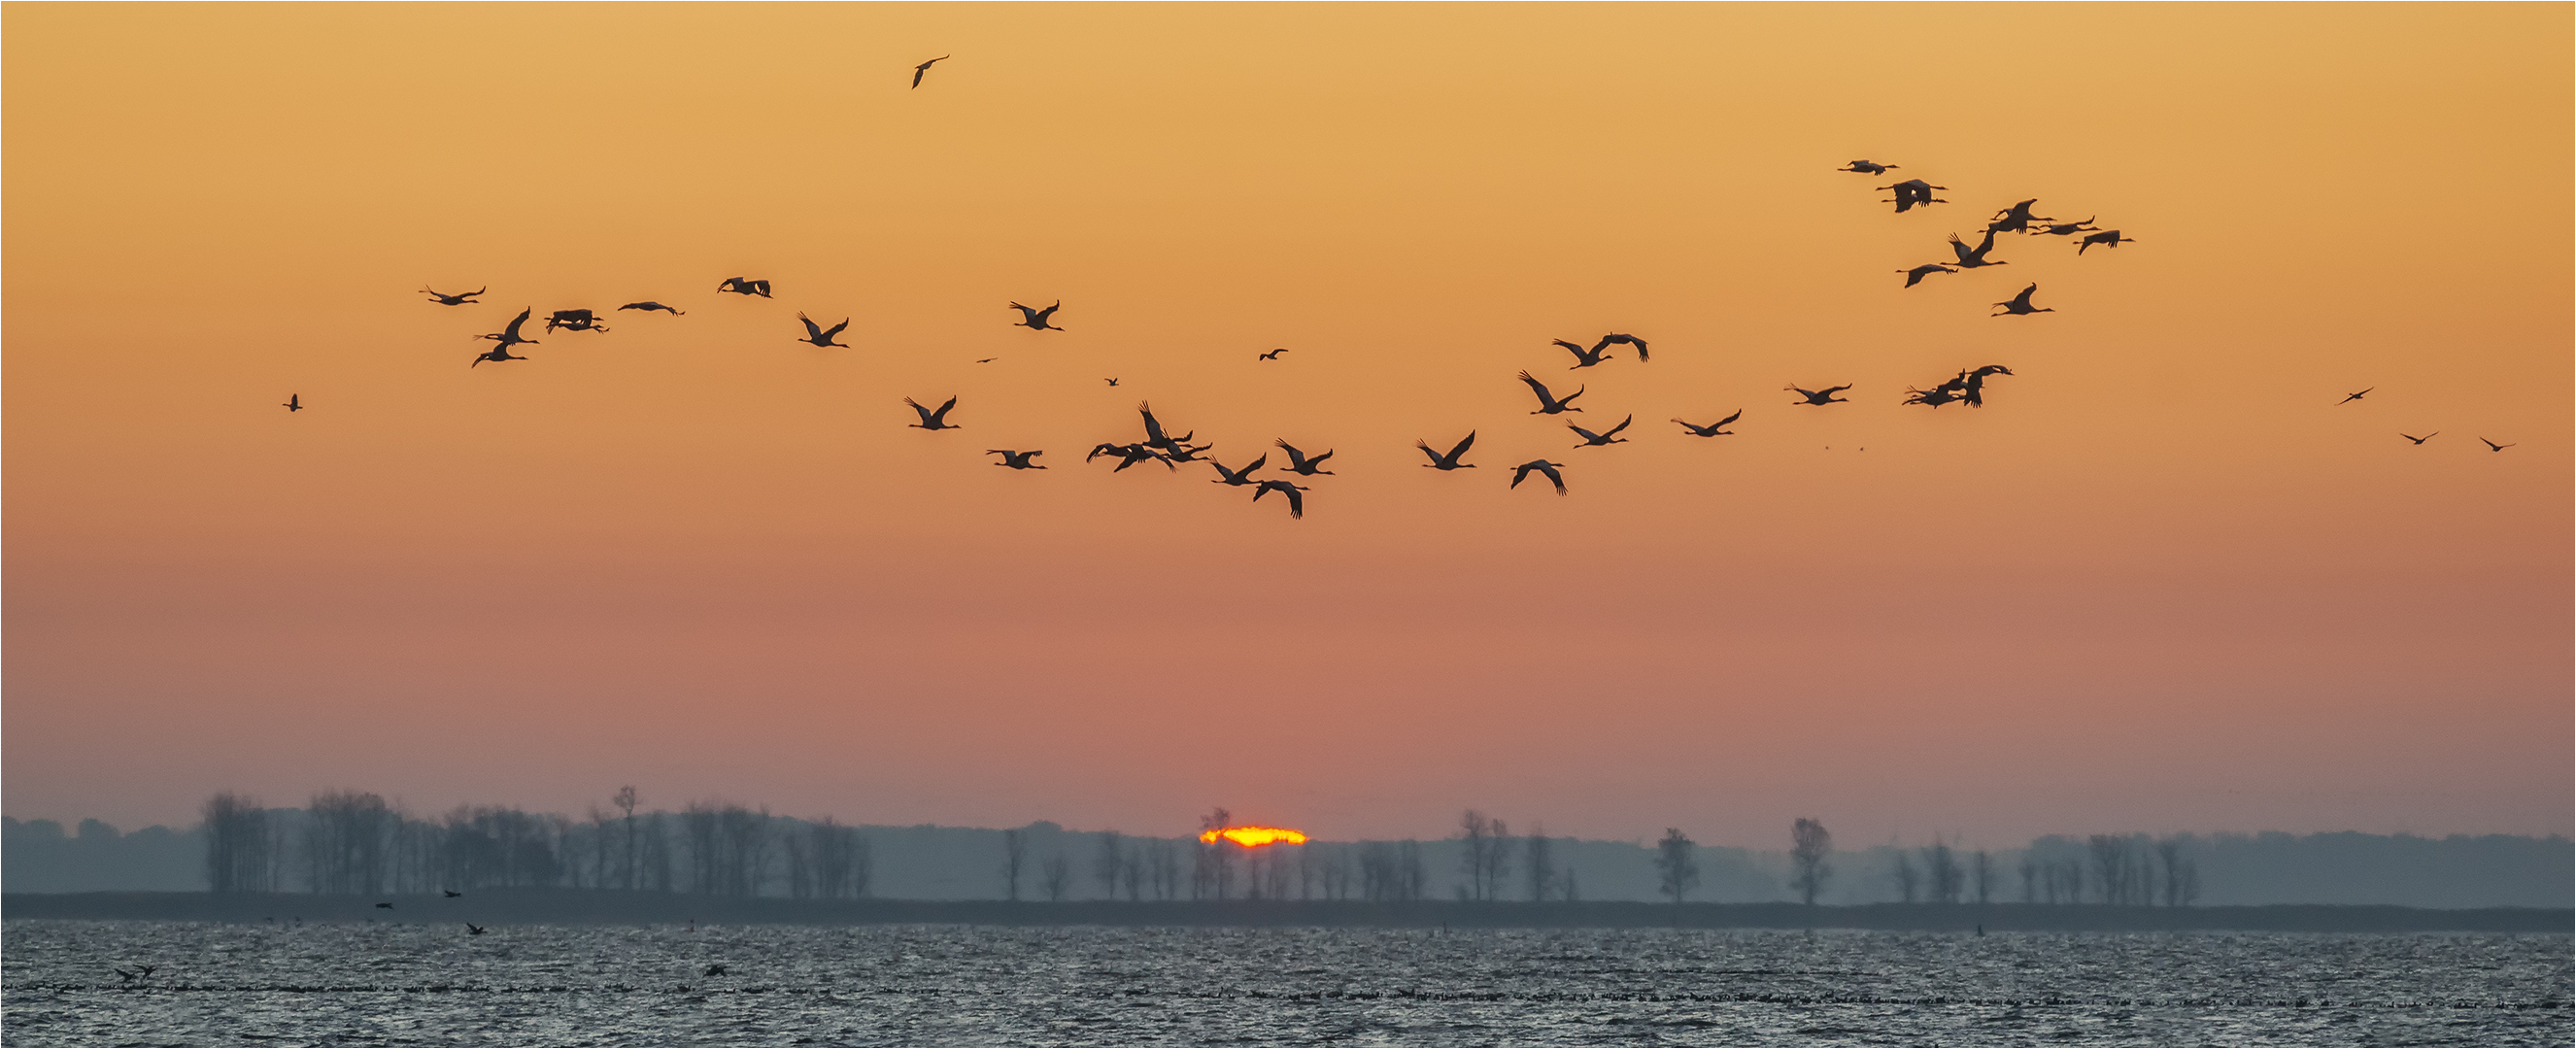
x=1212, y=872
x=2181, y=875
x=1909, y=882
x=1539, y=854
x=1981, y=874
x=345, y=840
x=2113, y=876
x=624, y=800
x=1166, y=868
x=1809, y=845
x=237, y=844
x=1941, y=869
x=2029, y=878
x=1015, y=852
x=1675, y=871
x=1055, y=873
x=1487, y=856
x=1108, y=863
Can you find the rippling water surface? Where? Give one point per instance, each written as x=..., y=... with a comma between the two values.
x=388, y=983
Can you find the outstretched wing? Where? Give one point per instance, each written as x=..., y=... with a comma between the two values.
x=813, y=333
x=835, y=330
x=1539, y=388
x=1623, y=424
x=1739, y=413
x=1426, y=450
x=916, y=406
x=1296, y=502
x=1295, y=457
x=522, y=318
x=1050, y=311
x=1153, y=428
x=1557, y=478
x=1832, y=390
x=942, y=413
x=1454, y=453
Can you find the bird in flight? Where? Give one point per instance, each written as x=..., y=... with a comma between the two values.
x=472, y=929
x=2017, y=218
x=819, y=336
x=1715, y=429
x=2351, y=397
x=445, y=299
x=986, y=360
x=295, y=402
x=1936, y=396
x=1450, y=461
x=1274, y=354
x=1521, y=473
x=2019, y=305
x=1036, y=320
x=1867, y=167
x=1242, y=476
x=1972, y=259
x=1610, y=436
x=574, y=320
x=1298, y=463
x=717, y=969
x=507, y=337
x=1611, y=340
x=1129, y=455
x=1912, y=192
x=2109, y=238
x=1296, y=501
x=1155, y=437
x=451, y=893
x=1915, y=276
x=2060, y=229
x=2492, y=446
x=1112, y=382
x=1583, y=358
x=741, y=286
x=918, y=70
x=1823, y=396
x=1015, y=459
x=931, y=420
x=1547, y=403
x=649, y=306
x=1972, y=385
x=2420, y=440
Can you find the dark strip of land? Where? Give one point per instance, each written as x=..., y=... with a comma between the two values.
x=597, y=907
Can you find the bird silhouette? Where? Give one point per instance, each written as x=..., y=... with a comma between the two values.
x=649, y=306
x=124, y=974
x=1449, y=461
x=1014, y=459
x=1913, y=192
x=742, y=286
x=472, y=929
x=2016, y=219
x=1155, y=436
x=2351, y=397
x=1112, y=382
x=2492, y=446
x=1036, y=320
x=1866, y=167
x=384, y=906
x=1936, y=396
x=1614, y=339
x=451, y=893
x=1823, y=396
x=2060, y=229
x=1715, y=429
x=1521, y=473
x=1298, y=463
x=1606, y=437
x=574, y=320
x=510, y=336
x=1296, y=500
x=294, y=402
x=1242, y=476
x=923, y=68
x=1972, y=385
x=2019, y=305
x=716, y=970
x=820, y=336
x=1186, y=453
x=497, y=353
x=1128, y=455
x=2420, y=440
x=1547, y=403
x=1583, y=358
x=2109, y=238
x=1274, y=354
x=445, y=299
x=931, y=420
x=986, y=360
x=1972, y=259
x=1915, y=276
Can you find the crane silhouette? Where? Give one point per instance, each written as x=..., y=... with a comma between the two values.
x=1298, y=463
x=295, y=402
x=1548, y=404
x=1615, y=339
x=460, y=299
x=820, y=336
x=1915, y=276
x=1606, y=437
x=1972, y=259
x=472, y=929
x=2351, y=397
x=1015, y=459
x=923, y=68
x=1715, y=429
x=1914, y=192
x=1296, y=500
x=2060, y=229
x=1867, y=167
x=1036, y=320
x=1274, y=354
x=2109, y=238
x=1521, y=473
x=649, y=306
x=1972, y=385
x=741, y=286
x=2019, y=305
x=2017, y=218
x=2492, y=446
x=2420, y=440
x=1155, y=437
x=574, y=320
x=1449, y=461
x=510, y=336
x=1583, y=358
x=931, y=420
x=1823, y=396
x=1239, y=477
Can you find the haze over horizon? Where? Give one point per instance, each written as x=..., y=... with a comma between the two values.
x=2162, y=581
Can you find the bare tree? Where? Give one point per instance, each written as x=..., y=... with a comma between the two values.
x=1487, y=856
x=1675, y=871
x=1540, y=854
x=624, y=800
x=1981, y=874
x=1108, y=863
x=1212, y=873
x=2181, y=875
x=347, y=834
x=1809, y=845
x=2029, y=878
x=1941, y=869
x=237, y=844
x=1055, y=873
x=1015, y=853
x=1909, y=882
x=2112, y=873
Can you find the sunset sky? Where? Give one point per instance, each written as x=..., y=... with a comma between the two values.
x=2162, y=581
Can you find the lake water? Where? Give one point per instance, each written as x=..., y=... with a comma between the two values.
x=388, y=983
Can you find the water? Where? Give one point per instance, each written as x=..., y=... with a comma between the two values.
x=391, y=983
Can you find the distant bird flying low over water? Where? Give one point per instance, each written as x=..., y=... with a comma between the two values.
x=1969, y=259
x=1915, y=276
x=1521, y=473
x=931, y=420
x=2491, y=445
x=649, y=306
x=1715, y=429
x=2420, y=440
x=472, y=929
x=2351, y=397
x=1823, y=396
x=1866, y=167
x=1548, y=404
x=1914, y=192
x=295, y=402
x=1449, y=461
x=1296, y=498
x=1298, y=463
x=820, y=336
x=1015, y=459
x=1606, y=437
x=1036, y=320
x=2019, y=305
x=742, y=286
x=919, y=70
x=1274, y=354
x=460, y=299
x=2109, y=238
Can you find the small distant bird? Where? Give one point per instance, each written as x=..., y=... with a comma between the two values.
x=1449, y=461
x=2420, y=440
x=2351, y=397
x=1715, y=429
x=1112, y=382
x=2019, y=305
x=1915, y=276
x=2492, y=446
x=1296, y=501
x=1274, y=354
x=1036, y=320
x=2109, y=238
x=1972, y=259
x=1608, y=341
x=445, y=299
x=742, y=286
x=1298, y=463
x=986, y=360
x=1547, y=403
x=2016, y=219
x=126, y=975
x=1015, y=459
x=575, y=320
x=384, y=906
x=1823, y=396
x=821, y=336
x=294, y=402
x=918, y=70
x=1913, y=192
x=2060, y=229
x=1238, y=477
x=1583, y=358
x=1867, y=167
x=1972, y=385
x=716, y=970
x=649, y=306
x=472, y=929
x=1607, y=437
x=451, y=893
x=1521, y=473
x=931, y=420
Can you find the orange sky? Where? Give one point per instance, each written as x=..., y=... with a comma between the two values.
x=2162, y=581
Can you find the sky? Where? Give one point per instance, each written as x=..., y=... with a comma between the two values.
x=2163, y=580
